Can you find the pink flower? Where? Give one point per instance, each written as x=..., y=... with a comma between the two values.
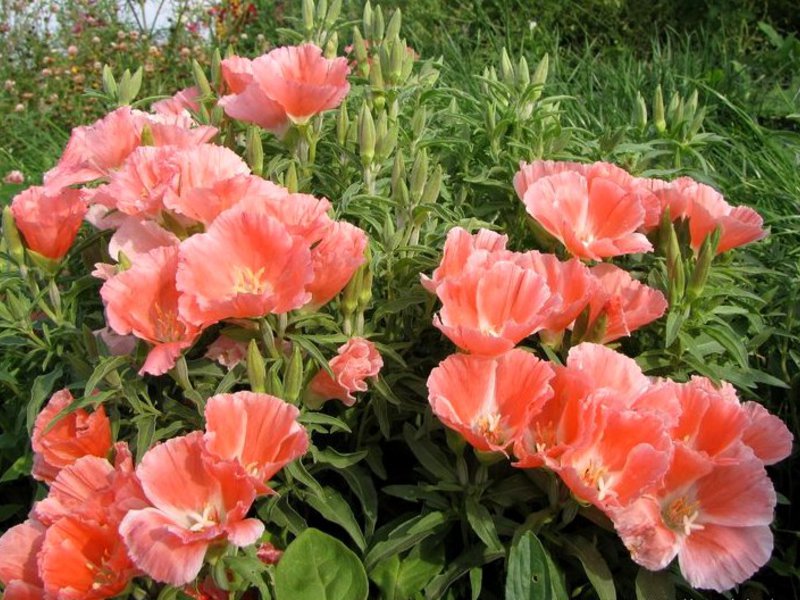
x=136, y=237
x=227, y=351
x=246, y=265
x=143, y=300
x=492, y=307
x=765, y=434
x=625, y=303
x=14, y=178
x=490, y=401
x=19, y=572
x=292, y=82
x=593, y=215
x=49, y=219
x=335, y=259
x=715, y=518
x=357, y=360
x=196, y=500
x=458, y=248
x=77, y=434
x=258, y=431
x=176, y=105
x=739, y=225
x=93, y=489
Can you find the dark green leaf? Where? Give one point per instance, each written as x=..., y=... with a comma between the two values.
x=316, y=566
x=528, y=575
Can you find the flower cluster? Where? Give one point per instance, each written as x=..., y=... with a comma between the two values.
x=104, y=522
x=198, y=238
x=677, y=467
x=599, y=210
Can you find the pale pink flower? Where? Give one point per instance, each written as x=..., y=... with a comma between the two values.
x=458, y=248
x=14, y=178
x=356, y=361
x=197, y=500
x=227, y=351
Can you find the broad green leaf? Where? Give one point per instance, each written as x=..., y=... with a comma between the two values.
x=316, y=566
x=402, y=579
x=528, y=576
x=338, y=459
x=654, y=585
x=594, y=564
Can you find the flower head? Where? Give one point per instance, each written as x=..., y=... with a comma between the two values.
x=356, y=361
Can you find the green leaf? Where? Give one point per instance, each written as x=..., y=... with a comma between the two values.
x=337, y=459
x=654, y=585
x=40, y=390
x=317, y=418
x=405, y=536
x=429, y=455
x=361, y=484
x=316, y=566
x=481, y=522
x=528, y=575
x=472, y=558
x=20, y=468
x=594, y=564
x=401, y=579
x=107, y=366
x=333, y=507
x=250, y=569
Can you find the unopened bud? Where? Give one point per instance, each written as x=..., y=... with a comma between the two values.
x=702, y=268
x=129, y=86
x=342, y=122
x=308, y=16
x=432, y=186
x=332, y=46
x=366, y=136
x=333, y=13
x=200, y=79
x=418, y=121
x=419, y=174
x=293, y=381
x=640, y=112
x=256, y=369
x=255, y=151
x=216, y=70
x=109, y=83
x=506, y=68
x=322, y=10
x=522, y=73
x=658, y=111
x=366, y=21
x=290, y=179
x=377, y=23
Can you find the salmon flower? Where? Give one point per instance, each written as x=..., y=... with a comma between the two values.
x=458, y=248
x=138, y=187
x=592, y=215
x=490, y=401
x=246, y=265
x=258, y=431
x=77, y=434
x=738, y=225
x=335, y=259
x=19, y=571
x=93, y=489
x=143, y=300
x=491, y=308
x=765, y=434
x=571, y=280
x=49, y=219
x=95, y=151
x=714, y=518
x=291, y=83
x=81, y=558
x=197, y=500
x=625, y=303
x=356, y=361
x=184, y=100
x=201, y=173
x=626, y=457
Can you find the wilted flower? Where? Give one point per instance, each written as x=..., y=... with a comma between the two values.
x=357, y=360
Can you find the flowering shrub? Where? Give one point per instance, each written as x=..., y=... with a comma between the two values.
x=191, y=285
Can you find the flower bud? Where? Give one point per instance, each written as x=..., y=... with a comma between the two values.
x=675, y=269
x=640, y=112
x=506, y=68
x=216, y=70
x=333, y=13
x=366, y=20
x=109, y=83
x=658, y=111
x=702, y=268
x=200, y=79
x=321, y=11
x=293, y=381
x=419, y=174
x=377, y=23
x=366, y=136
x=386, y=137
x=332, y=46
x=255, y=151
x=342, y=122
x=432, y=186
x=308, y=16
x=522, y=74
x=290, y=179
x=256, y=369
